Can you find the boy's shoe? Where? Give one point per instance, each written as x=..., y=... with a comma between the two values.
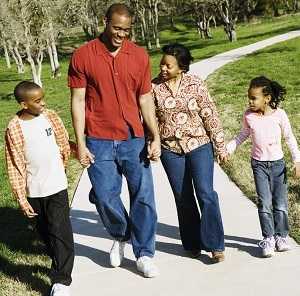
x=60, y=290
x=281, y=244
x=146, y=266
x=218, y=256
x=267, y=246
x=117, y=253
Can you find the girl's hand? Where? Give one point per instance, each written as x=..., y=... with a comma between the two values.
x=296, y=167
x=222, y=159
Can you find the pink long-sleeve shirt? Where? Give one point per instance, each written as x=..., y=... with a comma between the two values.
x=266, y=132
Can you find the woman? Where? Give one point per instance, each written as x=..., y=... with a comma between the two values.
x=189, y=125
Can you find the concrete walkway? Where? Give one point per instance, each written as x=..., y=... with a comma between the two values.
x=243, y=272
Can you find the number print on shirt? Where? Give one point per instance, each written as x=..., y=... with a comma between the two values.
x=48, y=131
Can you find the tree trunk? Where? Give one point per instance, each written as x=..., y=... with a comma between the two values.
x=54, y=53
x=20, y=64
x=49, y=48
x=7, y=59
x=35, y=69
x=157, y=41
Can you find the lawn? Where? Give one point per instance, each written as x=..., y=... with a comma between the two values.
x=229, y=87
x=24, y=267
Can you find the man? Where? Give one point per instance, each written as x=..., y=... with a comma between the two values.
x=110, y=85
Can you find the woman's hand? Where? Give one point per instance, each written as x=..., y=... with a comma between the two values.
x=296, y=167
x=222, y=158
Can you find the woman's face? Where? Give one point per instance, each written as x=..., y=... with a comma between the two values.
x=169, y=68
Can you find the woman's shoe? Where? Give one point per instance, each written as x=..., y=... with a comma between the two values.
x=218, y=256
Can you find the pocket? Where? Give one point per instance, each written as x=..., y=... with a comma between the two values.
x=101, y=149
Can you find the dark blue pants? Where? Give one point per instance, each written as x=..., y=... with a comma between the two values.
x=54, y=226
x=129, y=158
x=271, y=187
x=186, y=173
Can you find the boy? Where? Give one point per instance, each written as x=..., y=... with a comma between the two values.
x=37, y=150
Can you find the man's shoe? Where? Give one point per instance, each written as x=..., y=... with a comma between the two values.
x=267, y=246
x=60, y=290
x=218, y=256
x=146, y=266
x=281, y=244
x=117, y=253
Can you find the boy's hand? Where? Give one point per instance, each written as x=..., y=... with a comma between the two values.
x=28, y=211
x=296, y=167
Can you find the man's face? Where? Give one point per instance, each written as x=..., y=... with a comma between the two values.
x=117, y=29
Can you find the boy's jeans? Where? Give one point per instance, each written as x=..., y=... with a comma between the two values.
x=195, y=167
x=271, y=187
x=129, y=158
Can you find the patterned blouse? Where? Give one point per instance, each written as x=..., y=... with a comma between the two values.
x=188, y=119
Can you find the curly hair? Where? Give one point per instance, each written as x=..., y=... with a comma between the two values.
x=269, y=87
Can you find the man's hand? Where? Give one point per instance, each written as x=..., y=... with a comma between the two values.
x=154, y=150
x=296, y=167
x=222, y=159
x=28, y=211
x=85, y=157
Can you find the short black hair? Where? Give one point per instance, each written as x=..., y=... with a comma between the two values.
x=269, y=87
x=118, y=8
x=181, y=53
x=23, y=88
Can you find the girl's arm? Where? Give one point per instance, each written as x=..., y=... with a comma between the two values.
x=291, y=141
x=240, y=138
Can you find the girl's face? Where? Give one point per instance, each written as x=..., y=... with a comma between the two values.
x=258, y=101
x=169, y=68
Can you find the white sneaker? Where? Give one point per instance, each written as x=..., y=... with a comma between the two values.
x=281, y=244
x=117, y=253
x=147, y=267
x=267, y=246
x=60, y=290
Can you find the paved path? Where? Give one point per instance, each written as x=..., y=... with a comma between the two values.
x=243, y=272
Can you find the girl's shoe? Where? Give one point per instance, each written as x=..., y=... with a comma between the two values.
x=281, y=244
x=267, y=246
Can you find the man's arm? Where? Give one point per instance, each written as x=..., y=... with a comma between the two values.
x=78, y=118
x=148, y=112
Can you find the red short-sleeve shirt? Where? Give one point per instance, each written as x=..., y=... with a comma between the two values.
x=113, y=86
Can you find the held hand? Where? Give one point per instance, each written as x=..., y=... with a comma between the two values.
x=85, y=156
x=28, y=211
x=222, y=159
x=154, y=150
x=296, y=167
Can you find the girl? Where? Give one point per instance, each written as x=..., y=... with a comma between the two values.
x=265, y=123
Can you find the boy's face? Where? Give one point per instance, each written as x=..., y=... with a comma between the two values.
x=34, y=102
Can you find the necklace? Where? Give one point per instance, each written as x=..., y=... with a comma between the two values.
x=175, y=87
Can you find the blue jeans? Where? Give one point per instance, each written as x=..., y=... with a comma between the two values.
x=129, y=158
x=186, y=173
x=271, y=187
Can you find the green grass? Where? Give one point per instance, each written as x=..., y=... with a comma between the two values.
x=229, y=87
x=24, y=267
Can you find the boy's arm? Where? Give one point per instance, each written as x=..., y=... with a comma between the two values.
x=240, y=138
x=16, y=172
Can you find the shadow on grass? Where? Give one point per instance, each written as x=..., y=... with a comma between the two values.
x=18, y=237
